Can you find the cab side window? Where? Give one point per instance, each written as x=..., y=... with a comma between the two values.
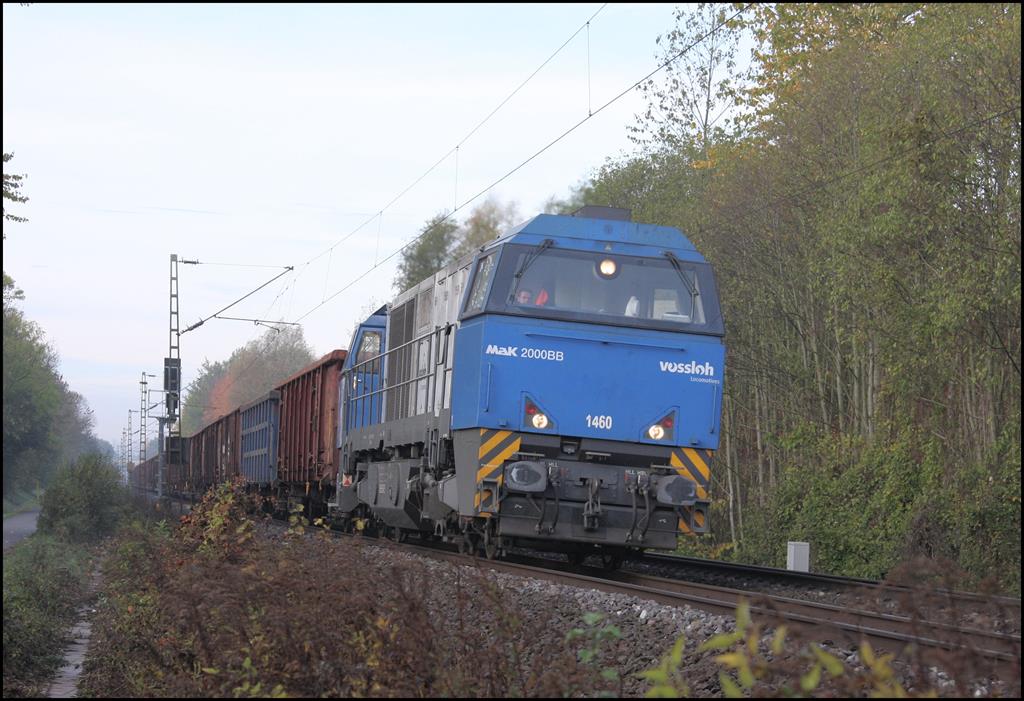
x=478, y=292
x=369, y=347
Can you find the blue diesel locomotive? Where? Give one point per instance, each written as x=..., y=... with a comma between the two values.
x=560, y=388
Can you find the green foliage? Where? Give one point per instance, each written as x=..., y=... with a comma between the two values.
x=750, y=667
x=12, y=188
x=666, y=679
x=11, y=292
x=694, y=105
x=220, y=525
x=219, y=609
x=579, y=195
x=250, y=372
x=43, y=581
x=86, y=501
x=486, y=222
x=45, y=423
x=863, y=217
x=430, y=252
x=444, y=241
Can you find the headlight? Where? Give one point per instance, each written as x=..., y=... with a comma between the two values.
x=607, y=268
x=661, y=430
x=534, y=417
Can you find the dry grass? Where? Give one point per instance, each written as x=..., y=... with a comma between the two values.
x=216, y=609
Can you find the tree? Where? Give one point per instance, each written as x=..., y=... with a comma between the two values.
x=250, y=372
x=429, y=253
x=692, y=107
x=579, y=195
x=12, y=186
x=486, y=222
x=44, y=423
x=11, y=293
x=864, y=225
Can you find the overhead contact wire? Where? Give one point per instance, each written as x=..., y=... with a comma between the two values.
x=531, y=158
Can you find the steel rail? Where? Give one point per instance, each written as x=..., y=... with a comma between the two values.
x=816, y=578
x=886, y=631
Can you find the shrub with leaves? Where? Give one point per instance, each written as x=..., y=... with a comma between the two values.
x=594, y=638
x=229, y=607
x=85, y=502
x=753, y=668
x=43, y=581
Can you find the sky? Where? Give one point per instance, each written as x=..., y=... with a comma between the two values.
x=272, y=135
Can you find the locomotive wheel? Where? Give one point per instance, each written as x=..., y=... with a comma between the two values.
x=611, y=562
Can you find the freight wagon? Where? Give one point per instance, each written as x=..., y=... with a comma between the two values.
x=214, y=453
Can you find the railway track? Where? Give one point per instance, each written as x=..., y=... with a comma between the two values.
x=697, y=568
x=825, y=622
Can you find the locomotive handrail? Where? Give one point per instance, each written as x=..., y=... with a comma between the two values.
x=376, y=365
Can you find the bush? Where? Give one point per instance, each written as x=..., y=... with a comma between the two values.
x=43, y=581
x=85, y=502
x=225, y=607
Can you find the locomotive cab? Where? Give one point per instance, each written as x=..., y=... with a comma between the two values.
x=588, y=368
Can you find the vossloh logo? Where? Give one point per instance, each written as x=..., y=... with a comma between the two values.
x=691, y=368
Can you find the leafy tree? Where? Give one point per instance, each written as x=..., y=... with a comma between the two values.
x=429, y=253
x=11, y=293
x=250, y=372
x=196, y=406
x=12, y=187
x=86, y=502
x=864, y=224
x=579, y=195
x=44, y=423
x=32, y=399
x=692, y=105
x=486, y=222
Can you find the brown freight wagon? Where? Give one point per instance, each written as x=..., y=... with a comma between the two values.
x=142, y=476
x=307, y=453
x=136, y=479
x=145, y=476
x=176, y=474
x=214, y=453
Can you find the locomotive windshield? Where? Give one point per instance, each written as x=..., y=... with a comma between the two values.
x=663, y=293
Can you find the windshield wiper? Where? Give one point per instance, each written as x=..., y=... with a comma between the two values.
x=545, y=245
x=677, y=264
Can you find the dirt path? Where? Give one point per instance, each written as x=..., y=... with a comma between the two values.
x=19, y=526
x=65, y=684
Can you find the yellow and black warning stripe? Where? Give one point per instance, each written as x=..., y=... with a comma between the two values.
x=697, y=516
x=694, y=464
x=495, y=448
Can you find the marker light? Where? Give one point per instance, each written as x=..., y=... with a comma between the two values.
x=607, y=268
x=656, y=432
x=540, y=420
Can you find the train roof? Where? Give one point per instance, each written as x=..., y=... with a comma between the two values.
x=335, y=356
x=588, y=232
